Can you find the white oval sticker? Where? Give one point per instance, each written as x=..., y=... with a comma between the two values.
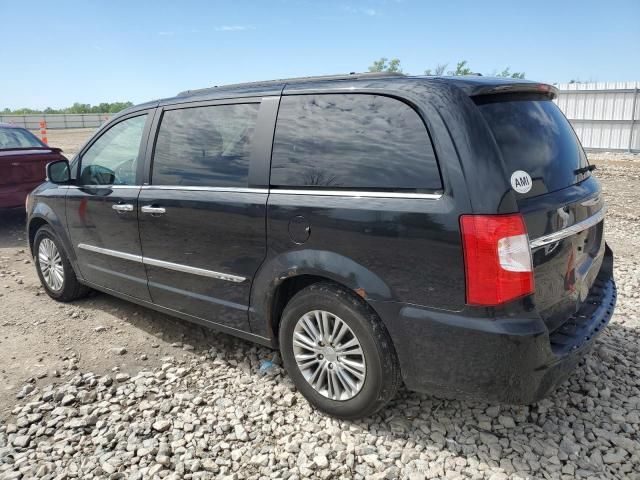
x=521, y=181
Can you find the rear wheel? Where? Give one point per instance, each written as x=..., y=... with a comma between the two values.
x=54, y=269
x=337, y=352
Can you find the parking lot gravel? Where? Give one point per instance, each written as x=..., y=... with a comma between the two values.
x=104, y=389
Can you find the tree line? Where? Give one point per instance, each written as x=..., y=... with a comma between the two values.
x=382, y=65
x=462, y=68
x=104, y=107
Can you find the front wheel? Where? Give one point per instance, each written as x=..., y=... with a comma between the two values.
x=337, y=352
x=54, y=269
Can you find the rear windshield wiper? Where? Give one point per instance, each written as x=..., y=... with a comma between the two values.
x=588, y=168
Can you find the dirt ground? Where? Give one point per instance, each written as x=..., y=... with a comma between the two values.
x=41, y=340
x=70, y=141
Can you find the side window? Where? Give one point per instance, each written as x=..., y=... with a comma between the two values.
x=113, y=158
x=205, y=146
x=350, y=141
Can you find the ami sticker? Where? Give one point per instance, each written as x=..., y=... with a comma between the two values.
x=521, y=181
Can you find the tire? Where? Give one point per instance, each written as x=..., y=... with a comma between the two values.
x=69, y=289
x=347, y=397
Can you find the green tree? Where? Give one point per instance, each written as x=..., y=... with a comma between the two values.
x=386, y=65
x=77, y=107
x=508, y=74
x=439, y=70
x=117, y=106
x=461, y=69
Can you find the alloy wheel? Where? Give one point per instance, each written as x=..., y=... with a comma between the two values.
x=50, y=263
x=329, y=355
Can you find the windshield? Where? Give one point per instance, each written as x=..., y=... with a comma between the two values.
x=18, y=138
x=534, y=136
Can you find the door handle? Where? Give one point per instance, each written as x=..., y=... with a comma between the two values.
x=153, y=210
x=122, y=207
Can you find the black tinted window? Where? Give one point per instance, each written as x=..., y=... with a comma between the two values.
x=352, y=142
x=534, y=136
x=205, y=146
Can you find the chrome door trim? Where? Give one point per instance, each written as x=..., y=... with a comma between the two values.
x=567, y=232
x=162, y=264
x=206, y=189
x=301, y=191
x=110, y=187
x=193, y=270
x=355, y=193
x=111, y=253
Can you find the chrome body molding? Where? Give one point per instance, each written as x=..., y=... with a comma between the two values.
x=110, y=187
x=281, y=191
x=112, y=253
x=355, y=193
x=205, y=189
x=193, y=270
x=162, y=264
x=571, y=230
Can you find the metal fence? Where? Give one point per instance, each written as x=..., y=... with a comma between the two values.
x=606, y=116
x=58, y=121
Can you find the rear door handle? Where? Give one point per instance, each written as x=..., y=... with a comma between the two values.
x=122, y=207
x=153, y=210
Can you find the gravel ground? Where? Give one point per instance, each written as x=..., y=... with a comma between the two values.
x=171, y=400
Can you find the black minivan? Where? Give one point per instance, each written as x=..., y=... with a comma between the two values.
x=378, y=229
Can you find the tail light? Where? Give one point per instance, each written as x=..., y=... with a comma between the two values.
x=497, y=258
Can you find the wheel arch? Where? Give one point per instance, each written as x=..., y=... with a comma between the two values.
x=44, y=215
x=35, y=223
x=280, y=279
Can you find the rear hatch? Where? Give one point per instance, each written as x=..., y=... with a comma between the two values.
x=561, y=203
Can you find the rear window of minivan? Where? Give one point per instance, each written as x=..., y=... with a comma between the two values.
x=352, y=141
x=533, y=135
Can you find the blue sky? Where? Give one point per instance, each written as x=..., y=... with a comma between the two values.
x=57, y=52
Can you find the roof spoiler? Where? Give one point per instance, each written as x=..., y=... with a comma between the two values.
x=529, y=87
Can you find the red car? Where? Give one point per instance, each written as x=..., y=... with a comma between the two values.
x=23, y=158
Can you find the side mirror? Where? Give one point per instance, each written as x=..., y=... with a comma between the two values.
x=58, y=172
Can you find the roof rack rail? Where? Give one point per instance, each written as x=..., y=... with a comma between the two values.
x=345, y=76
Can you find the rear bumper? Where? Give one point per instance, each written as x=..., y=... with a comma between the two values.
x=509, y=360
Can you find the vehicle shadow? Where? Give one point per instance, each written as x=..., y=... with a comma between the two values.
x=164, y=327
x=12, y=228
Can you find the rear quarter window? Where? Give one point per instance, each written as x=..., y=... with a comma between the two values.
x=356, y=142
